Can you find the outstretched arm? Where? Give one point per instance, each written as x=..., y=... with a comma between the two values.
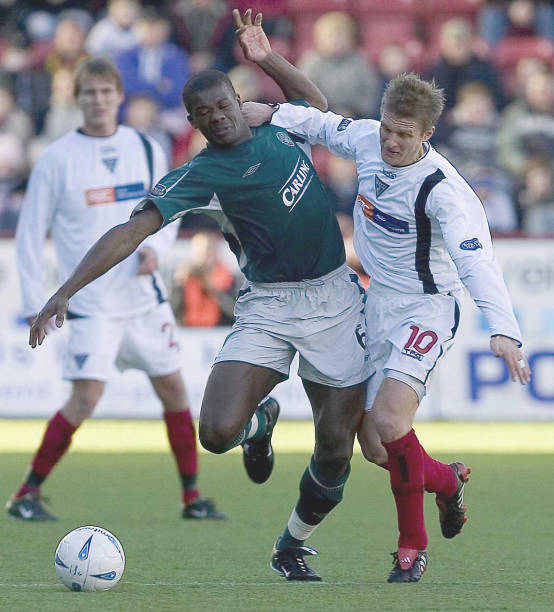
x=256, y=48
x=114, y=246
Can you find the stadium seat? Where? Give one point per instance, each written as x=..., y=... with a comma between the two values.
x=434, y=13
x=303, y=7
x=378, y=7
x=378, y=30
x=511, y=49
x=269, y=8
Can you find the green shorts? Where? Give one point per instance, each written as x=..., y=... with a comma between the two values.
x=322, y=319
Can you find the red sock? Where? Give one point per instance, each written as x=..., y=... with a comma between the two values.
x=182, y=438
x=439, y=477
x=407, y=480
x=55, y=442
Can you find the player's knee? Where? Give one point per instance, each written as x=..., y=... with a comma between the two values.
x=216, y=439
x=79, y=409
x=374, y=454
x=332, y=459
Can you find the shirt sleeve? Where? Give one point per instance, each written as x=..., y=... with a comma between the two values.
x=467, y=237
x=183, y=190
x=328, y=129
x=163, y=240
x=35, y=219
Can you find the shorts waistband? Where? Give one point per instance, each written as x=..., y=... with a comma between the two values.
x=320, y=280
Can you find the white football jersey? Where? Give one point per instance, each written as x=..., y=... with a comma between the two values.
x=424, y=229
x=81, y=187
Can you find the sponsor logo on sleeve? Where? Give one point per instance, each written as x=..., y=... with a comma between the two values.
x=343, y=125
x=158, y=190
x=471, y=245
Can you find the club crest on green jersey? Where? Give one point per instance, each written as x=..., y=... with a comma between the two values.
x=285, y=139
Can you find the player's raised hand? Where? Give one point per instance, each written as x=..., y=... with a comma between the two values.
x=252, y=38
x=256, y=114
x=508, y=349
x=56, y=306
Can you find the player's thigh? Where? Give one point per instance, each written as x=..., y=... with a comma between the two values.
x=171, y=391
x=150, y=343
x=92, y=348
x=233, y=391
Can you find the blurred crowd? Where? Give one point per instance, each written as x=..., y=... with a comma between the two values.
x=493, y=58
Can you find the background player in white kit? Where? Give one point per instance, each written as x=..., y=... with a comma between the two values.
x=84, y=183
x=420, y=232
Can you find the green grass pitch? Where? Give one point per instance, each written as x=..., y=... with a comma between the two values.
x=120, y=475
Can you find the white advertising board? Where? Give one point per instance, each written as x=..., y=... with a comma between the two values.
x=471, y=384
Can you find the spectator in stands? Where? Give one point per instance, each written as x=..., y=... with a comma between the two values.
x=393, y=60
x=207, y=286
x=12, y=119
x=458, y=64
x=246, y=82
x=115, y=33
x=338, y=67
x=526, y=128
x=536, y=198
x=515, y=18
x=200, y=26
x=68, y=47
x=141, y=113
x=13, y=171
x=63, y=115
x=341, y=182
x=155, y=66
x=469, y=142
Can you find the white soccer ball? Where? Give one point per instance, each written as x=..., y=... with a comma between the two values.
x=89, y=559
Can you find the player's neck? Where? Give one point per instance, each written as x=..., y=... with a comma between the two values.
x=99, y=131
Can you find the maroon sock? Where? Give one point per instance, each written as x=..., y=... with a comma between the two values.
x=55, y=442
x=439, y=477
x=407, y=480
x=182, y=438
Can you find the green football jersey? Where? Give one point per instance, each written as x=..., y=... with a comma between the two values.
x=272, y=208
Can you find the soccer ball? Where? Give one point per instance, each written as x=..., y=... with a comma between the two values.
x=89, y=559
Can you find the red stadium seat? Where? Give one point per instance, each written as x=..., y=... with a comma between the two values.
x=378, y=30
x=269, y=8
x=302, y=7
x=452, y=7
x=380, y=7
x=511, y=49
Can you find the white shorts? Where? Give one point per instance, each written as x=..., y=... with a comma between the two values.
x=321, y=319
x=146, y=342
x=407, y=334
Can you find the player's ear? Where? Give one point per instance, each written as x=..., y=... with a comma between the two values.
x=191, y=121
x=428, y=133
